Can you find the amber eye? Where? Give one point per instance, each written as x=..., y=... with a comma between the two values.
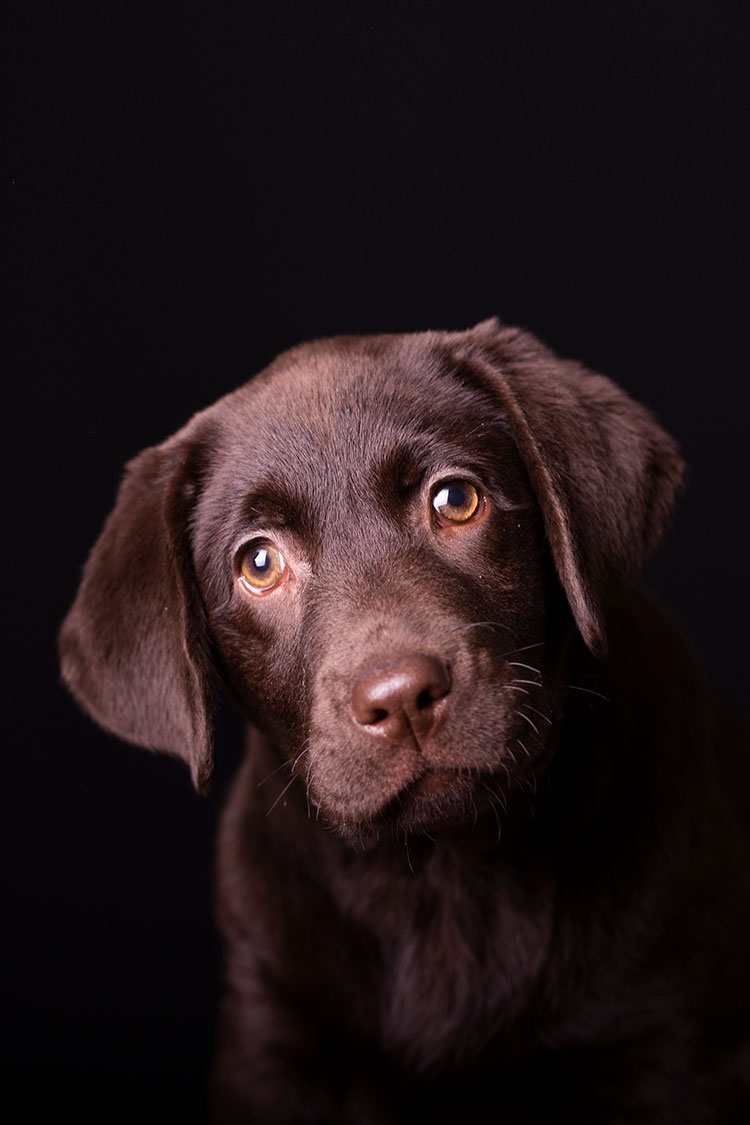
x=262, y=566
x=456, y=501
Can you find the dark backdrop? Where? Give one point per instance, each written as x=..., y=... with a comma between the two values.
x=192, y=188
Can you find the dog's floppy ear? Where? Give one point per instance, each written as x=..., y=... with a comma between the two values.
x=604, y=472
x=133, y=647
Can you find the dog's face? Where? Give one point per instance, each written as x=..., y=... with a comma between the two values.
x=369, y=543
x=373, y=566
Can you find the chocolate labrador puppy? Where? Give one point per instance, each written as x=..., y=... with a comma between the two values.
x=487, y=857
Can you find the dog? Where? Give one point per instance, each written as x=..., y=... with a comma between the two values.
x=487, y=857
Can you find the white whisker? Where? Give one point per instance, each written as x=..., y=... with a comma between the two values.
x=478, y=625
x=524, y=648
x=408, y=857
x=493, y=806
x=531, y=723
x=539, y=713
x=291, y=782
x=590, y=691
x=284, y=765
x=301, y=755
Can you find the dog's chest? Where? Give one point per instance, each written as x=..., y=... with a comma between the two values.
x=462, y=945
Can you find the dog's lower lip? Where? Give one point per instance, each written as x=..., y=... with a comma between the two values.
x=434, y=783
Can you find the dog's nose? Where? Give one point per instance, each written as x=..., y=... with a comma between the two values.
x=401, y=701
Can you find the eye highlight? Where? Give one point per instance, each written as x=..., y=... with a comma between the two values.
x=456, y=501
x=261, y=566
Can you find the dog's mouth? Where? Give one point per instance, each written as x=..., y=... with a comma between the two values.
x=433, y=783
x=438, y=799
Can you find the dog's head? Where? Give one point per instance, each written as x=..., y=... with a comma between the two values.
x=367, y=543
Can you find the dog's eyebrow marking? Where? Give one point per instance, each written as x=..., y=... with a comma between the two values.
x=270, y=504
x=400, y=471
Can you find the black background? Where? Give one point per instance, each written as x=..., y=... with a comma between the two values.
x=194, y=187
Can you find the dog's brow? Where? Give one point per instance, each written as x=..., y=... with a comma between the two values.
x=271, y=504
x=399, y=470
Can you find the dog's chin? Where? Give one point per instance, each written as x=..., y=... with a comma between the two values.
x=437, y=801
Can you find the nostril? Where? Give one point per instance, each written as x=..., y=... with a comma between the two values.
x=425, y=699
x=400, y=700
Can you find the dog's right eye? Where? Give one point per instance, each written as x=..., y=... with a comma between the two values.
x=261, y=567
x=456, y=502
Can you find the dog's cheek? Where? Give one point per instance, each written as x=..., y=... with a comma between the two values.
x=263, y=675
x=517, y=568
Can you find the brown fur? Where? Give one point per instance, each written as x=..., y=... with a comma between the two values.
x=525, y=899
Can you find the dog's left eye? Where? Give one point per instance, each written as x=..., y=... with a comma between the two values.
x=456, y=501
x=261, y=566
